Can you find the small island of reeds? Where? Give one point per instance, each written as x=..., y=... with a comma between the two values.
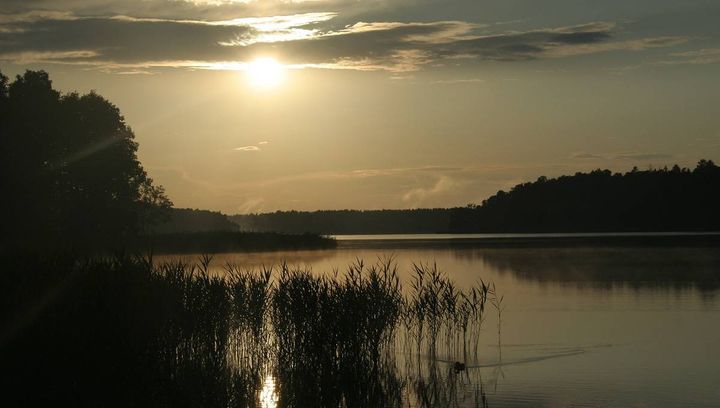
x=231, y=241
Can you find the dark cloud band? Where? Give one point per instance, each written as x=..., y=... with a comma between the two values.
x=121, y=42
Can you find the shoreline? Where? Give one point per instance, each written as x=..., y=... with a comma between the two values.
x=551, y=240
x=232, y=241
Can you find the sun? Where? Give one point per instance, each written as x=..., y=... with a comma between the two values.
x=265, y=73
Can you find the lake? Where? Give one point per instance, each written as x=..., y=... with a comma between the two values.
x=584, y=325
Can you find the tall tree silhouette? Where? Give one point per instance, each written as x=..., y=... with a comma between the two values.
x=70, y=174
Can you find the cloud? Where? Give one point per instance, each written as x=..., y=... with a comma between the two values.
x=68, y=57
x=627, y=45
x=586, y=156
x=420, y=195
x=458, y=81
x=185, y=9
x=278, y=28
x=695, y=57
x=135, y=72
x=643, y=156
x=402, y=47
x=122, y=42
x=250, y=205
x=252, y=148
x=438, y=32
x=35, y=15
x=623, y=156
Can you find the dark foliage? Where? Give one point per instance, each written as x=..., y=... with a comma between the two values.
x=653, y=200
x=107, y=333
x=182, y=220
x=348, y=221
x=69, y=173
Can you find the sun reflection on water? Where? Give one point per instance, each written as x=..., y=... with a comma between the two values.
x=268, y=396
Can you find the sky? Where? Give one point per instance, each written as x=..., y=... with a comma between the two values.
x=262, y=105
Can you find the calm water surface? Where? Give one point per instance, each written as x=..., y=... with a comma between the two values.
x=584, y=326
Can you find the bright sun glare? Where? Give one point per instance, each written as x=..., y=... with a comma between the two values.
x=265, y=73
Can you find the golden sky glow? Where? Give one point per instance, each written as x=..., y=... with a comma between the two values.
x=246, y=106
x=265, y=73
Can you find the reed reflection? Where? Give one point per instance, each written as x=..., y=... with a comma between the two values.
x=356, y=339
x=268, y=394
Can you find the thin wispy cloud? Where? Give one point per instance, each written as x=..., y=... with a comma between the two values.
x=459, y=81
x=418, y=196
x=694, y=57
x=643, y=156
x=586, y=156
x=247, y=149
x=252, y=148
x=250, y=205
x=632, y=156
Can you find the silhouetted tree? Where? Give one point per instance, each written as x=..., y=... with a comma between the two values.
x=187, y=220
x=599, y=201
x=70, y=175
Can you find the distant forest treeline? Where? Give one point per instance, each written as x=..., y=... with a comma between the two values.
x=349, y=221
x=187, y=220
x=675, y=199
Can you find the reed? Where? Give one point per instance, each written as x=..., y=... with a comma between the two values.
x=497, y=302
x=128, y=331
x=436, y=308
